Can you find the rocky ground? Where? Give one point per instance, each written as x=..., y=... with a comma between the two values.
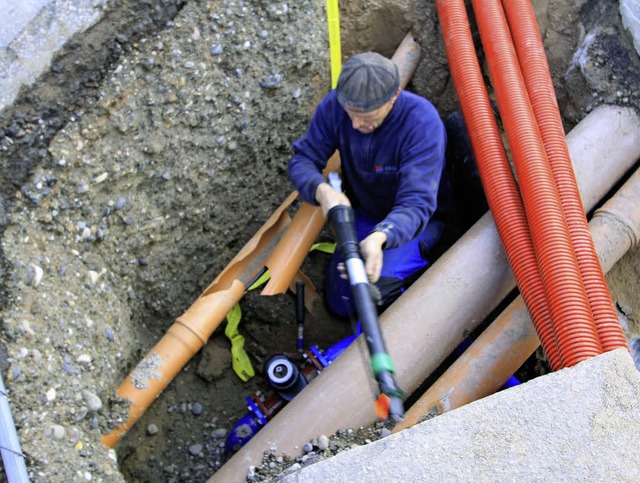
x=137, y=168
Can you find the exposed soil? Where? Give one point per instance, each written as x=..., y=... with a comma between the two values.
x=139, y=166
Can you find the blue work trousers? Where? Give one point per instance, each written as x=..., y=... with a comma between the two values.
x=400, y=267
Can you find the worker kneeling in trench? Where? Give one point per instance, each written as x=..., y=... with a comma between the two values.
x=392, y=145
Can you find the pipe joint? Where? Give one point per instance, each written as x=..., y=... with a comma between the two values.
x=627, y=224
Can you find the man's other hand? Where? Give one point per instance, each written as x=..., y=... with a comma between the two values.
x=371, y=249
x=327, y=197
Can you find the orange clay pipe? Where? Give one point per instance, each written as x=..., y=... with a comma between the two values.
x=193, y=328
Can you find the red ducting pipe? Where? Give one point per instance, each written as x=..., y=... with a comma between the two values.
x=499, y=185
x=569, y=307
x=535, y=69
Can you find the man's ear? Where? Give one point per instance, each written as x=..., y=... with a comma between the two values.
x=395, y=96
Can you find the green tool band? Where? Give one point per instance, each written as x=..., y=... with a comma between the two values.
x=395, y=392
x=381, y=362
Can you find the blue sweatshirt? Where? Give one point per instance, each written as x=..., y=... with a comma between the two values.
x=393, y=173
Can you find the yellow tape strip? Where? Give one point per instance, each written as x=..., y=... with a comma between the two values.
x=263, y=278
x=333, y=20
x=325, y=247
x=239, y=358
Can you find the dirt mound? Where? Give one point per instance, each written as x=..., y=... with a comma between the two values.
x=130, y=184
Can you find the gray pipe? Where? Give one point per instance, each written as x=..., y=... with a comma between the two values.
x=424, y=325
x=511, y=339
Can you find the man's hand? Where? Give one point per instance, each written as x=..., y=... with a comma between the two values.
x=327, y=197
x=371, y=249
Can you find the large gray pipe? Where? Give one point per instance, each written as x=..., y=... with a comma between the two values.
x=424, y=325
x=511, y=339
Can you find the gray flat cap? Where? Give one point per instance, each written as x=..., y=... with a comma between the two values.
x=367, y=81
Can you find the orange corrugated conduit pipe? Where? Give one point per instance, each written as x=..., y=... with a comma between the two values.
x=500, y=187
x=537, y=77
x=569, y=307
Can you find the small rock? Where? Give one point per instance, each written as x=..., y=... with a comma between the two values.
x=57, y=431
x=216, y=50
x=51, y=394
x=323, y=442
x=82, y=413
x=152, y=429
x=219, y=433
x=94, y=403
x=294, y=467
x=307, y=448
x=197, y=409
x=101, y=178
x=195, y=449
x=384, y=432
x=84, y=359
x=34, y=275
x=271, y=81
x=92, y=277
x=120, y=203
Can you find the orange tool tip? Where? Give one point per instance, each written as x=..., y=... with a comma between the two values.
x=381, y=406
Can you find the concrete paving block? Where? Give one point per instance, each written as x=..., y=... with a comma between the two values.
x=577, y=424
x=37, y=30
x=630, y=12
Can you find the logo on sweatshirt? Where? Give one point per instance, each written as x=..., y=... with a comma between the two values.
x=385, y=169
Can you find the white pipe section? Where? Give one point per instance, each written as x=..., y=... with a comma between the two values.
x=12, y=457
x=442, y=307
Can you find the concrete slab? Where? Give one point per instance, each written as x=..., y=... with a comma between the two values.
x=32, y=32
x=630, y=13
x=578, y=424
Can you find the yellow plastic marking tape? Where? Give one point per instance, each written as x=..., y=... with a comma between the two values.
x=325, y=247
x=333, y=20
x=263, y=279
x=239, y=357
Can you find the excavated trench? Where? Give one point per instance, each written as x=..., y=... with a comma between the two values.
x=150, y=153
